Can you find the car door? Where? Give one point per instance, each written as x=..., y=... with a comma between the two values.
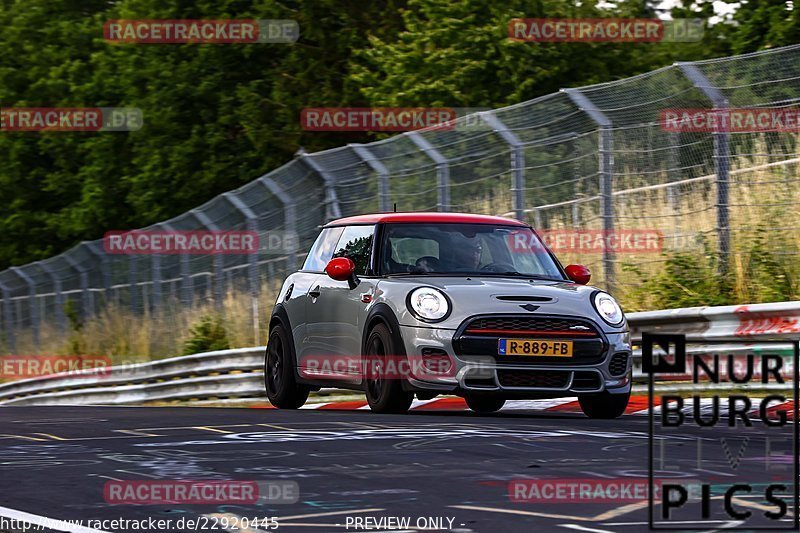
x=304, y=291
x=337, y=312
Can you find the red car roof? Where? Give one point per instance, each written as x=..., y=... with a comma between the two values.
x=425, y=218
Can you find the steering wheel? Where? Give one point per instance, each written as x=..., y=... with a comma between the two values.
x=428, y=263
x=498, y=267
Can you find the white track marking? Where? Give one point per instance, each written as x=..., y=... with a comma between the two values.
x=43, y=521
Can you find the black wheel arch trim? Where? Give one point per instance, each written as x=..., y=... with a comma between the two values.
x=280, y=315
x=383, y=313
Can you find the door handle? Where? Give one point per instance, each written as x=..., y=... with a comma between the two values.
x=314, y=293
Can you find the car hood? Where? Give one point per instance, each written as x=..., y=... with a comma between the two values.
x=474, y=295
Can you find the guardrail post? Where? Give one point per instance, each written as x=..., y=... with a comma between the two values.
x=289, y=216
x=721, y=160
x=58, y=295
x=87, y=299
x=252, y=259
x=383, y=174
x=442, y=170
x=32, y=307
x=8, y=318
x=332, y=209
x=219, y=275
x=606, y=149
x=517, y=160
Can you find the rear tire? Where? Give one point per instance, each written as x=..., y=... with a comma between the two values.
x=384, y=395
x=484, y=404
x=283, y=390
x=603, y=405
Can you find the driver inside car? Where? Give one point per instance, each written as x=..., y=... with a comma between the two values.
x=465, y=254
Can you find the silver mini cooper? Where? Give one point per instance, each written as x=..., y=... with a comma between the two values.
x=405, y=304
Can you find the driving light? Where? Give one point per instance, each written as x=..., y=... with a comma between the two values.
x=428, y=304
x=608, y=308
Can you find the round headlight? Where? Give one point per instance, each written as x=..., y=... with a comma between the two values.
x=608, y=308
x=428, y=303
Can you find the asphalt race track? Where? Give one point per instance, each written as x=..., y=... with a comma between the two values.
x=445, y=465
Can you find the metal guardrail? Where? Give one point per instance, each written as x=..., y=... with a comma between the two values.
x=238, y=373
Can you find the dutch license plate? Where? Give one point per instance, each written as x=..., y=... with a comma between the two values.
x=534, y=347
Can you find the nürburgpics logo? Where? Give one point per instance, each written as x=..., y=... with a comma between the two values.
x=70, y=119
x=201, y=31
x=723, y=427
x=598, y=30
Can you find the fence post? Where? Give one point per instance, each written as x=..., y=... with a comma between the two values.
x=252, y=263
x=8, y=319
x=606, y=150
x=517, y=160
x=721, y=160
x=442, y=170
x=98, y=251
x=332, y=209
x=219, y=282
x=32, y=307
x=186, y=277
x=289, y=216
x=383, y=174
x=58, y=295
x=156, y=281
x=133, y=282
x=87, y=299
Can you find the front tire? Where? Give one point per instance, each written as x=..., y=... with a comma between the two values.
x=484, y=404
x=384, y=394
x=283, y=390
x=603, y=405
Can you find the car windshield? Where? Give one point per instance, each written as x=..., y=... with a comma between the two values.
x=477, y=249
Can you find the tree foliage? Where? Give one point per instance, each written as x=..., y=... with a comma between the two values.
x=217, y=116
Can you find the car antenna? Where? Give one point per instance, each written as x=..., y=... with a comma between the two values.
x=395, y=207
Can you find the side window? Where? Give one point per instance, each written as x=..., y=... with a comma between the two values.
x=322, y=251
x=356, y=244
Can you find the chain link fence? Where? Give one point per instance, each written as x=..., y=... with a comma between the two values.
x=591, y=158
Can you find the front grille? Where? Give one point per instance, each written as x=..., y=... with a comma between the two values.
x=533, y=378
x=618, y=364
x=479, y=337
x=533, y=325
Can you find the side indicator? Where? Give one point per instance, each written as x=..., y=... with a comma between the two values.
x=366, y=298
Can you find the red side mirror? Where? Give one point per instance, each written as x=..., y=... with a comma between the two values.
x=340, y=268
x=579, y=274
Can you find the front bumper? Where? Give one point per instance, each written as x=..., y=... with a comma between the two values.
x=484, y=374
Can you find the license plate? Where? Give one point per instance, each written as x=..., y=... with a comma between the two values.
x=534, y=347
